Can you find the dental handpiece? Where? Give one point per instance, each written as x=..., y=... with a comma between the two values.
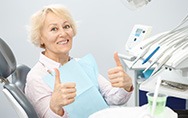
x=165, y=48
x=140, y=56
x=168, y=56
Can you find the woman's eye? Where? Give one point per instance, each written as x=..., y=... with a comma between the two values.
x=54, y=29
x=67, y=27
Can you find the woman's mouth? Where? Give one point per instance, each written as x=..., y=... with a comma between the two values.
x=63, y=42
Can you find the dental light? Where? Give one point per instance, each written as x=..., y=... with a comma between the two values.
x=135, y=4
x=138, y=3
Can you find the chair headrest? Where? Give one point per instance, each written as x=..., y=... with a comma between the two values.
x=8, y=61
x=19, y=76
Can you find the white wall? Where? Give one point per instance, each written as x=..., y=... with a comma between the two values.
x=103, y=27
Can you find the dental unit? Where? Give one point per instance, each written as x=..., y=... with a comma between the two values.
x=167, y=54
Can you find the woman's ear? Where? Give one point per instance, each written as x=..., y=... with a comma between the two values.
x=42, y=45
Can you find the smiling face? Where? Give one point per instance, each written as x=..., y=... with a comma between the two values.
x=56, y=36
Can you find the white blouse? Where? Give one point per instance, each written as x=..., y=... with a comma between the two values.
x=39, y=93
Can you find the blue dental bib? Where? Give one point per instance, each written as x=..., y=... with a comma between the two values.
x=84, y=73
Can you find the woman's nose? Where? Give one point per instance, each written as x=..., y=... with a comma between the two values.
x=62, y=32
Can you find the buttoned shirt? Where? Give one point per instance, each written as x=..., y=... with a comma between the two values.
x=39, y=93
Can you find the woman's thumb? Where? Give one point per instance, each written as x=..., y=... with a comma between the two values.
x=57, y=77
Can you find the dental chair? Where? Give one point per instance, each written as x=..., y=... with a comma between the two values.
x=14, y=89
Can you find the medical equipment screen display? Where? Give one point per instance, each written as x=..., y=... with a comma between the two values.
x=138, y=32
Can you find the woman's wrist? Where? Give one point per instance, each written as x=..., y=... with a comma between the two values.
x=130, y=88
x=57, y=110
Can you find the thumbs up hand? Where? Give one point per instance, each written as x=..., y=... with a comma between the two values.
x=118, y=77
x=63, y=94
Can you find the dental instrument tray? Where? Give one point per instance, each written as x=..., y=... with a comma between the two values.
x=174, y=85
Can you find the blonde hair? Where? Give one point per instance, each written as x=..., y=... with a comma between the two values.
x=37, y=21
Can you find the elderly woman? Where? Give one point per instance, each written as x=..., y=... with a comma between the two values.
x=52, y=29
